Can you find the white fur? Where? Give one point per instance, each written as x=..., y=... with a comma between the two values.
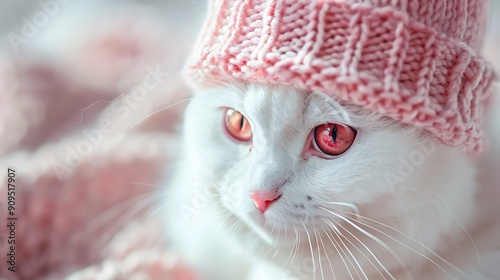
x=418, y=198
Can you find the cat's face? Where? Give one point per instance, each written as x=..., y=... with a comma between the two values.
x=267, y=140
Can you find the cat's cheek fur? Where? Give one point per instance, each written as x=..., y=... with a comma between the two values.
x=395, y=175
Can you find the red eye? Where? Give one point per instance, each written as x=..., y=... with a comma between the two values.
x=237, y=126
x=333, y=139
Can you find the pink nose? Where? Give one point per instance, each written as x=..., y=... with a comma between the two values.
x=263, y=200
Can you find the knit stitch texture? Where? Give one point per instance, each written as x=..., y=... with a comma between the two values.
x=416, y=61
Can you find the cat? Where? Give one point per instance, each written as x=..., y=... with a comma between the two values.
x=279, y=183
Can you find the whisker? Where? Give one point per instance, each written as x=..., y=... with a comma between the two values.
x=161, y=207
x=112, y=212
x=411, y=239
x=339, y=109
x=293, y=245
x=319, y=254
x=327, y=257
x=297, y=251
x=149, y=115
x=144, y=184
x=421, y=242
x=106, y=101
x=277, y=238
x=130, y=213
x=310, y=246
x=338, y=233
x=463, y=228
x=352, y=206
x=338, y=252
x=374, y=238
x=371, y=253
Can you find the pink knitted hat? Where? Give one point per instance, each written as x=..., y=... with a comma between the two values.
x=416, y=61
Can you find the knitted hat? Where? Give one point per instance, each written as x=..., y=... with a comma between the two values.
x=416, y=61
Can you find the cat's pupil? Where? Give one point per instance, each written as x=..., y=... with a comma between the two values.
x=242, y=122
x=334, y=134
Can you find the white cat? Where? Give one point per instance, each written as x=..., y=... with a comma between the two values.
x=277, y=183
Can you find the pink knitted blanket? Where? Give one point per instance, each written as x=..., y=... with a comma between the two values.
x=85, y=140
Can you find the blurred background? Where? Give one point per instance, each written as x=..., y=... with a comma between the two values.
x=183, y=14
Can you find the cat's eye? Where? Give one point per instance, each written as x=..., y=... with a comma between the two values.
x=237, y=126
x=333, y=139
